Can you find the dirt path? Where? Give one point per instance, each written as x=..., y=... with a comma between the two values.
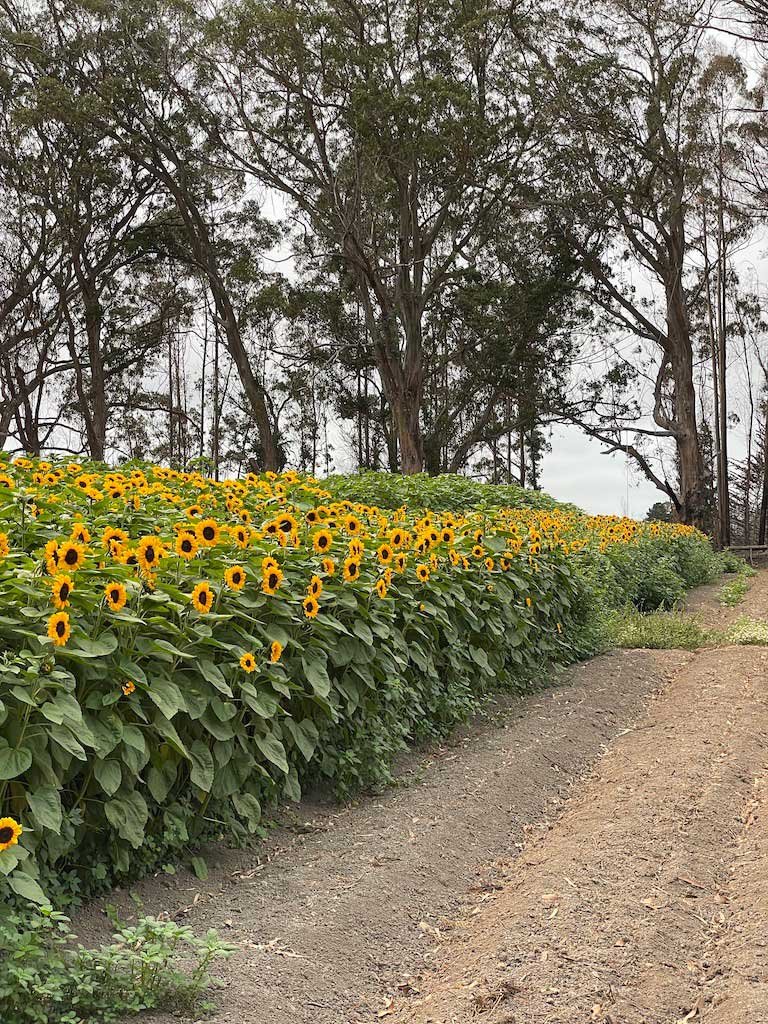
x=598, y=853
x=621, y=912
x=705, y=605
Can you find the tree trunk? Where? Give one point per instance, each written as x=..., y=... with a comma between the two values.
x=678, y=355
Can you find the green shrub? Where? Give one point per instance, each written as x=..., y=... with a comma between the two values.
x=447, y=492
x=45, y=977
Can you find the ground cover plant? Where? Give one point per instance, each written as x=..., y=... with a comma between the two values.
x=177, y=651
x=46, y=976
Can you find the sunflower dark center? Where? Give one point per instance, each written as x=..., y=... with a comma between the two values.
x=115, y=595
x=273, y=580
x=61, y=628
x=236, y=577
x=64, y=591
x=6, y=834
x=149, y=554
x=186, y=545
x=71, y=557
x=208, y=532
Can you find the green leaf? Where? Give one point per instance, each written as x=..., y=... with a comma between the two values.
x=273, y=750
x=26, y=887
x=202, y=770
x=316, y=673
x=248, y=807
x=109, y=775
x=199, y=867
x=305, y=735
x=166, y=695
x=212, y=674
x=84, y=647
x=45, y=804
x=128, y=816
x=362, y=630
x=14, y=761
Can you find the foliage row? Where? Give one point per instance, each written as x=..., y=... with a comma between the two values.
x=177, y=652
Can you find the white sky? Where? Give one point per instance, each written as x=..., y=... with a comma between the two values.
x=576, y=470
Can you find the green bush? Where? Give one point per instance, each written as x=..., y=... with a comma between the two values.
x=447, y=492
x=45, y=977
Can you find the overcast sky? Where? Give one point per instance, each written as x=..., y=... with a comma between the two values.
x=576, y=470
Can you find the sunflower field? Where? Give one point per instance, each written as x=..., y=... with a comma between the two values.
x=177, y=653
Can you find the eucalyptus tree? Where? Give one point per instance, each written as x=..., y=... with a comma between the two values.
x=399, y=132
x=632, y=135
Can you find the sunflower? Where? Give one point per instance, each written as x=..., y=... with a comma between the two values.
x=269, y=563
x=10, y=830
x=489, y=564
x=447, y=536
x=149, y=551
x=397, y=538
x=80, y=533
x=422, y=572
x=194, y=511
x=186, y=545
x=385, y=554
x=202, y=597
x=71, y=555
x=275, y=651
x=356, y=549
x=352, y=524
x=381, y=588
x=5, y=480
x=248, y=663
x=351, y=569
x=273, y=577
x=311, y=607
x=207, y=532
x=111, y=536
x=286, y=523
x=128, y=687
x=315, y=587
x=234, y=577
x=115, y=595
x=59, y=629
x=399, y=563
x=322, y=540
x=242, y=536
x=478, y=551
x=329, y=566
x=61, y=588
x=5, y=547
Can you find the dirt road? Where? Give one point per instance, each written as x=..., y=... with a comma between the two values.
x=596, y=853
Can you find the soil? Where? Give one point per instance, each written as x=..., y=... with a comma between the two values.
x=595, y=853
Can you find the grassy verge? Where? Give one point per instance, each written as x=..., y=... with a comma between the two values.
x=675, y=630
x=734, y=591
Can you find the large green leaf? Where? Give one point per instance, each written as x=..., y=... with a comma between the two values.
x=14, y=761
x=109, y=775
x=202, y=770
x=45, y=804
x=128, y=816
x=273, y=750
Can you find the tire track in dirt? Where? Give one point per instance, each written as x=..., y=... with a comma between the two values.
x=622, y=912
